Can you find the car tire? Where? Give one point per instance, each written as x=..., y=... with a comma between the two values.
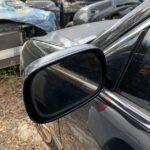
x=49, y=137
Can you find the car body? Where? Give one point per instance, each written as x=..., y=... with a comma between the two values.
x=108, y=9
x=71, y=13
x=64, y=9
x=115, y=119
x=16, y=27
x=62, y=38
x=47, y=5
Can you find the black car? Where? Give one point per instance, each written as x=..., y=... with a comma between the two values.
x=67, y=69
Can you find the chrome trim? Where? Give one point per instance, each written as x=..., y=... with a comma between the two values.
x=132, y=110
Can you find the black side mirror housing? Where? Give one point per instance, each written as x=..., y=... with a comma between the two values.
x=63, y=81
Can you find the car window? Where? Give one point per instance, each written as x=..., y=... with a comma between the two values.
x=117, y=54
x=116, y=58
x=136, y=83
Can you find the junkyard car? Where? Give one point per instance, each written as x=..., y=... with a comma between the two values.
x=107, y=9
x=18, y=23
x=48, y=5
x=64, y=9
x=84, y=11
x=66, y=73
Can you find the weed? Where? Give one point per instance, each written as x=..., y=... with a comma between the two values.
x=10, y=73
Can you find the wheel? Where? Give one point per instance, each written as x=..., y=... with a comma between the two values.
x=47, y=133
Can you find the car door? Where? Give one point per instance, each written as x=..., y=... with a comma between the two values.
x=129, y=118
x=74, y=131
x=133, y=85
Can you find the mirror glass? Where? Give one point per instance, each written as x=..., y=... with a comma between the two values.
x=66, y=84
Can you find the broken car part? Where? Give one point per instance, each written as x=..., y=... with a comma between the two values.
x=102, y=10
x=18, y=23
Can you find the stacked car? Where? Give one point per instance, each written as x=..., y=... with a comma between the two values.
x=74, y=12
x=18, y=23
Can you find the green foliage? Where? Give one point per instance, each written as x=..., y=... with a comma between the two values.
x=10, y=73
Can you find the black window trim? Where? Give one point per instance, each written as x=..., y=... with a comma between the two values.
x=137, y=30
x=135, y=49
x=129, y=108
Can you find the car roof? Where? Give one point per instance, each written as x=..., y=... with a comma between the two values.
x=132, y=19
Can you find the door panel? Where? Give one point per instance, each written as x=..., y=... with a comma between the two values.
x=75, y=133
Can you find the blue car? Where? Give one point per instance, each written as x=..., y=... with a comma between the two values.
x=18, y=23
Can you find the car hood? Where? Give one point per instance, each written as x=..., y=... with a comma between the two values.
x=77, y=35
x=40, y=46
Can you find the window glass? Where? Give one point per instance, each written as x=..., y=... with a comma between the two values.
x=136, y=83
x=116, y=58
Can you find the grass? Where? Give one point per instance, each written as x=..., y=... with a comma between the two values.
x=10, y=73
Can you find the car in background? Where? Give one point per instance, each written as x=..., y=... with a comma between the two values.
x=102, y=10
x=77, y=12
x=18, y=23
x=47, y=5
x=64, y=9
x=118, y=118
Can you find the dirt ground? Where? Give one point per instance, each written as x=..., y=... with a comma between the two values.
x=17, y=132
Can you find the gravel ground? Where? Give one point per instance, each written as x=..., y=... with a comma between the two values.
x=17, y=132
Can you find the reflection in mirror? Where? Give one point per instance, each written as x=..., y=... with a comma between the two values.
x=67, y=83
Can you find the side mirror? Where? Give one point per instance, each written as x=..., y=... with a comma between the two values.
x=62, y=81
